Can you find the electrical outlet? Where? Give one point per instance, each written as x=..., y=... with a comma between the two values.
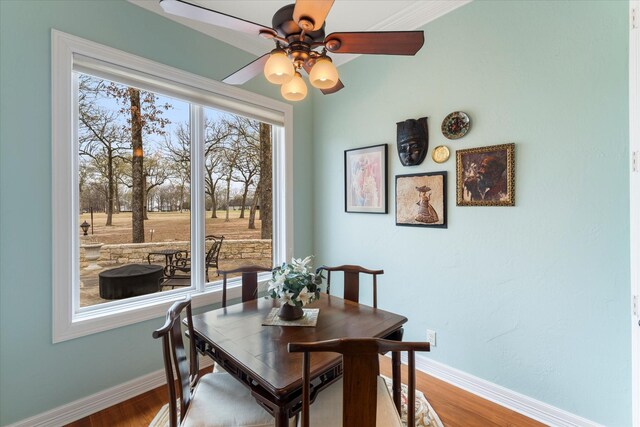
x=431, y=337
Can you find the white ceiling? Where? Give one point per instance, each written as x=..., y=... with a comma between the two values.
x=345, y=15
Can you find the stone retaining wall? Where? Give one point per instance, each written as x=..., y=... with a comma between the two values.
x=130, y=253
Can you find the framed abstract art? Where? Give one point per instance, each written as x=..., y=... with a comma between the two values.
x=365, y=179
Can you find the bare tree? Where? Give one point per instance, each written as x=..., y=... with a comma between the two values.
x=247, y=167
x=155, y=172
x=231, y=154
x=216, y=133
x=93, y=192
x=100, y=136
x=179, y=154
x=265, y=193
x=119, y=169
x=137, y=168
x=252, y=210
x=144, y=118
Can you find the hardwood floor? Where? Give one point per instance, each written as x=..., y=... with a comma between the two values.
x=455, y=407
x=459, y=408
x=136, y=412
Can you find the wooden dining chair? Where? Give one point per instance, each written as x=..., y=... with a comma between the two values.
x=361, y=397
x=215, y=399
x=249, y=281
x=352, y=281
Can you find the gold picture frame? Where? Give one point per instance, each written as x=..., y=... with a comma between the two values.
x=485, y=176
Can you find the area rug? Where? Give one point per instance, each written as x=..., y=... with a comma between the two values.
x=425, y=415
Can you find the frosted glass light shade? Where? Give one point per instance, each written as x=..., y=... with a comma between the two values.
x=278, y=69
x=294, y=90
x=324, y=74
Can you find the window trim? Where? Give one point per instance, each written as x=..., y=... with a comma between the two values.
x=69, y=323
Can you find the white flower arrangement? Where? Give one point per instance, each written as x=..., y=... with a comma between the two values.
x=295, y=283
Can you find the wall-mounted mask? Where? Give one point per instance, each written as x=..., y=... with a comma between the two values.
x=413, y=141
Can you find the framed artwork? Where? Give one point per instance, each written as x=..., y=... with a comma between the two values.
x=365, y=179
x=485, y=176
x=421, y=199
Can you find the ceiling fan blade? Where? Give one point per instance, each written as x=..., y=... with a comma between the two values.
x=247, y=72
x=314, y=11
x=376, y=42
x=202, y=14
x=334, y=89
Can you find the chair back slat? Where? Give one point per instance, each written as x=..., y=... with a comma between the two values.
x=352, y=286
x=249, y=281
x=361, y=381
x=249, y=286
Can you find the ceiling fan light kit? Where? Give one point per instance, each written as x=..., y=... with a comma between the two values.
x=294, y=90
x=324, y=75
x=278, y=68
x=298, y=31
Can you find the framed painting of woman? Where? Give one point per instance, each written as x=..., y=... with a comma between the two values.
x=421, y=199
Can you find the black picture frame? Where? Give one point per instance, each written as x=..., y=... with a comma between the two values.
x=421, y=199
x=365, y=179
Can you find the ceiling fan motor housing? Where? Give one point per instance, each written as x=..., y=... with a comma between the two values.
x=287, y=28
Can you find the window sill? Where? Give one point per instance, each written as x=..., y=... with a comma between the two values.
x=104, y=319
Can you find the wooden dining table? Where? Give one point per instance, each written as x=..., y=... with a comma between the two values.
x=257, y=355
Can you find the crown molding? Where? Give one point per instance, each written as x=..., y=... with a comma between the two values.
x=418, y=14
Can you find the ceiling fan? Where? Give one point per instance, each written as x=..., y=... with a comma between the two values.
x=298, y=32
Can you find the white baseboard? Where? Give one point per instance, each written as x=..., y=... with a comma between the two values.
x=520, y=403
x=86, y=406
x=532, y=408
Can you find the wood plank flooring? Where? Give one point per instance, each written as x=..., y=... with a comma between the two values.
x=455, y=407
x=459, y=408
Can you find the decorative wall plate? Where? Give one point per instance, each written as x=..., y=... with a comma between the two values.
x=440, y=154
x=456, y=125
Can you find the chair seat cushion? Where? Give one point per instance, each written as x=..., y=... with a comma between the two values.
x=220, y=400
x=326, y=410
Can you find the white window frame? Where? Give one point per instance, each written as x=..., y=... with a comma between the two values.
x=634, y=202
x=71, y=53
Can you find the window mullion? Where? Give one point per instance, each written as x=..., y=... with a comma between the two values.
x=196, y=118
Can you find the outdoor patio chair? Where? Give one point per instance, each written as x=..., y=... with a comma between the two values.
x=179, y=270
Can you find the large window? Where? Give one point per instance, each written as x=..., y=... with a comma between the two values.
x=160, y=178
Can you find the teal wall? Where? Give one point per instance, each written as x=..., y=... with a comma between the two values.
x=36, y=375
x=534, y=297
